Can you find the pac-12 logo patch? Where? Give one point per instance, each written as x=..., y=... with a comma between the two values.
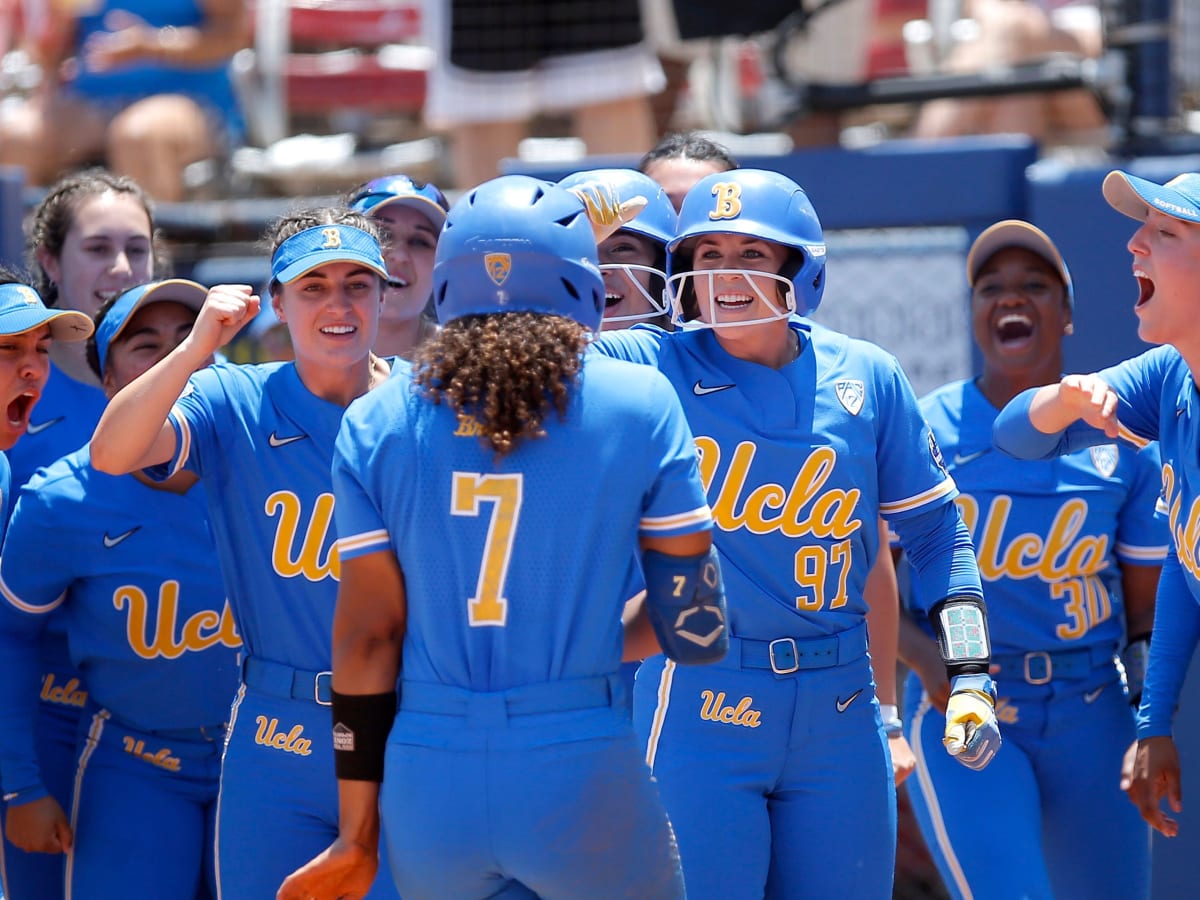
x=1104, y=458
x=498, y=266
x=850, y=392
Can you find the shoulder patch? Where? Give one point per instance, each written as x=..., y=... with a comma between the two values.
x=850, y=392
x=936, y=452
x=1104, y=458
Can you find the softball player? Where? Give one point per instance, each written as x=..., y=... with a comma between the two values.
x=805, y=437
x=633, y=259
x=1149, y=397
x=92, y=237
x=410, y=215
x=261, y=439
x=511, y=769
x=28, y=333
x=1069, y=553
x=130, y=568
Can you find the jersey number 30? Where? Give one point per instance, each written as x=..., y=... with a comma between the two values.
x=504, y=493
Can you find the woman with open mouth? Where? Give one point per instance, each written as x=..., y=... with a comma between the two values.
x=1069, y=551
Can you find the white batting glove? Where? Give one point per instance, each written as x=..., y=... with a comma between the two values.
x=605, y=209
x=972, y=734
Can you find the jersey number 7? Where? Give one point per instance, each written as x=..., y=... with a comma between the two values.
x=504, y=492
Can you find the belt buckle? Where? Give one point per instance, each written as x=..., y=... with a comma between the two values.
x=1044, y=656
x=788, y=645
x=317, y=688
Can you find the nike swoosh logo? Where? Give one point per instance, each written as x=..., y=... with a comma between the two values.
x=276, y=441
x=111, y=542
x=42, y=426
x=843, y=705
x=961, y=459
x=700, y=390
x=1090, y=696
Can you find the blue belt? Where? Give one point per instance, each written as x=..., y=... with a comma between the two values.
x=1044, y=666
x=495, y=707
x=285, y=681
x=786, y=655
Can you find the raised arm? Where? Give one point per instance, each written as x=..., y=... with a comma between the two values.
x=133, y=432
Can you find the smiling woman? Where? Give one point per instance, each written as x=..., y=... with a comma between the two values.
x=261, y=438
x=1069, y=553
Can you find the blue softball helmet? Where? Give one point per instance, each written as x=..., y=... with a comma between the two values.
x=655, y=223
x=518, y=244
x=757, y=203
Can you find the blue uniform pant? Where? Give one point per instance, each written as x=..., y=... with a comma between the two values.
x=778, y=786
x=278, y=805
x=39, y=876
x=144, y=812
x=1047, y=817
x=536, y=792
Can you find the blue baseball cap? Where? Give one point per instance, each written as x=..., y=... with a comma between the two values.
x=1179, y=198
x=22, y=309
x=403, y=191
x=323, y=244
x=176, y=290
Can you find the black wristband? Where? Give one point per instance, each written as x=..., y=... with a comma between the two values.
x=361, y=724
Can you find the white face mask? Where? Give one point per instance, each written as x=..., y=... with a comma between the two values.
x=658, y=305
x=760, y=306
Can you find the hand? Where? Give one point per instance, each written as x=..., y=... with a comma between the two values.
x=343, y=871
x=38, y=826
x=605, y=209
x=1087, y=397
x=972, y=734
x=903, y=760
x=227, y=308
x=127, y=39
x=1156, y=775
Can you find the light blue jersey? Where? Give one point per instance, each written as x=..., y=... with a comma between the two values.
x=262, y=444
x=1051, y=537
x=129, y=571
x=512, y=727
x=798, y=463
x=1157, y=401
x=412, y=479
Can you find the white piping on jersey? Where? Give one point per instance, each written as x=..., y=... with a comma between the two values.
x=20, y=604
x=660, y=712
x=700, y=516
x=354, y=542
x=233, y=715
x=95, y=730
x=1141, y=554
x=926, y=711
x=894, y=507
x=185, y=441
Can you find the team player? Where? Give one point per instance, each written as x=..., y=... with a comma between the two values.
x=1069, y=552
x=261, y=439
x=28, y=333
x=681, y=159
x=410, y=217
x=510, y=769
x=91, y=239
x=633, y=259
x=1150, y=397
x=805, y=438
x=130, y=567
